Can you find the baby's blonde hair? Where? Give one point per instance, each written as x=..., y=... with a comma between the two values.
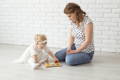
x=40, y=37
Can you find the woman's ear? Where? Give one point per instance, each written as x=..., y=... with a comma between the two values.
x=45, y=42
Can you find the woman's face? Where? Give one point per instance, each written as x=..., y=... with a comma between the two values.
x=72, y=17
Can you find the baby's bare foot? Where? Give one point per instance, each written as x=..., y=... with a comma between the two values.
x=37, y=66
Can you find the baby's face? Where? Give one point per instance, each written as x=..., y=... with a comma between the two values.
x=40, y=44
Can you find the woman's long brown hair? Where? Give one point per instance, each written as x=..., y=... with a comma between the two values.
x=75, y=8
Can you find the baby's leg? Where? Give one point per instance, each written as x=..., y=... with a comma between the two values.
x=24, y=57
x=44, y=61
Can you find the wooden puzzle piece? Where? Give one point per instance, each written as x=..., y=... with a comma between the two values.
x=47, y=65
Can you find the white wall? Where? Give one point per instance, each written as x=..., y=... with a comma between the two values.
x=21, y=19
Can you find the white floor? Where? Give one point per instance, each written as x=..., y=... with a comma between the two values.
x=104, y=67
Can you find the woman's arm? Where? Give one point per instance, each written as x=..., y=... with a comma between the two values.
x=88, y=38
x=70, y=39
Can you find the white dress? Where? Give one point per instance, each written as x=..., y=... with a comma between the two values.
x=42, y=55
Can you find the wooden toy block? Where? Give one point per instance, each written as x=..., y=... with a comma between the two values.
x=48, y=65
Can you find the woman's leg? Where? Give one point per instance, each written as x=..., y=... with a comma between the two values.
x=61, y=54
x=78, y=58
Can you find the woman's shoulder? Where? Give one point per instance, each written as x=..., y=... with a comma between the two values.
x=87, y=19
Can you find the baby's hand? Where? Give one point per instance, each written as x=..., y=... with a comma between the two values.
x=56, y=60
x=35, y=57
x=36, y=61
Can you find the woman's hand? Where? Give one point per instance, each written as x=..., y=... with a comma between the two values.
x=71, y=51
x=68, y=49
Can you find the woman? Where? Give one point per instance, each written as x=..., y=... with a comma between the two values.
x=80, y=47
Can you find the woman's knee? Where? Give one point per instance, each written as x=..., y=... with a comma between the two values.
x=70, y=61
x=76, y=60
x=73, y=63
x=61, y=54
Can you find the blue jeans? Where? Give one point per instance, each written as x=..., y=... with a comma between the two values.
x=74, y=59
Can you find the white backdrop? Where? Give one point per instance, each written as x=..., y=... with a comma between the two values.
x=21, y=19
